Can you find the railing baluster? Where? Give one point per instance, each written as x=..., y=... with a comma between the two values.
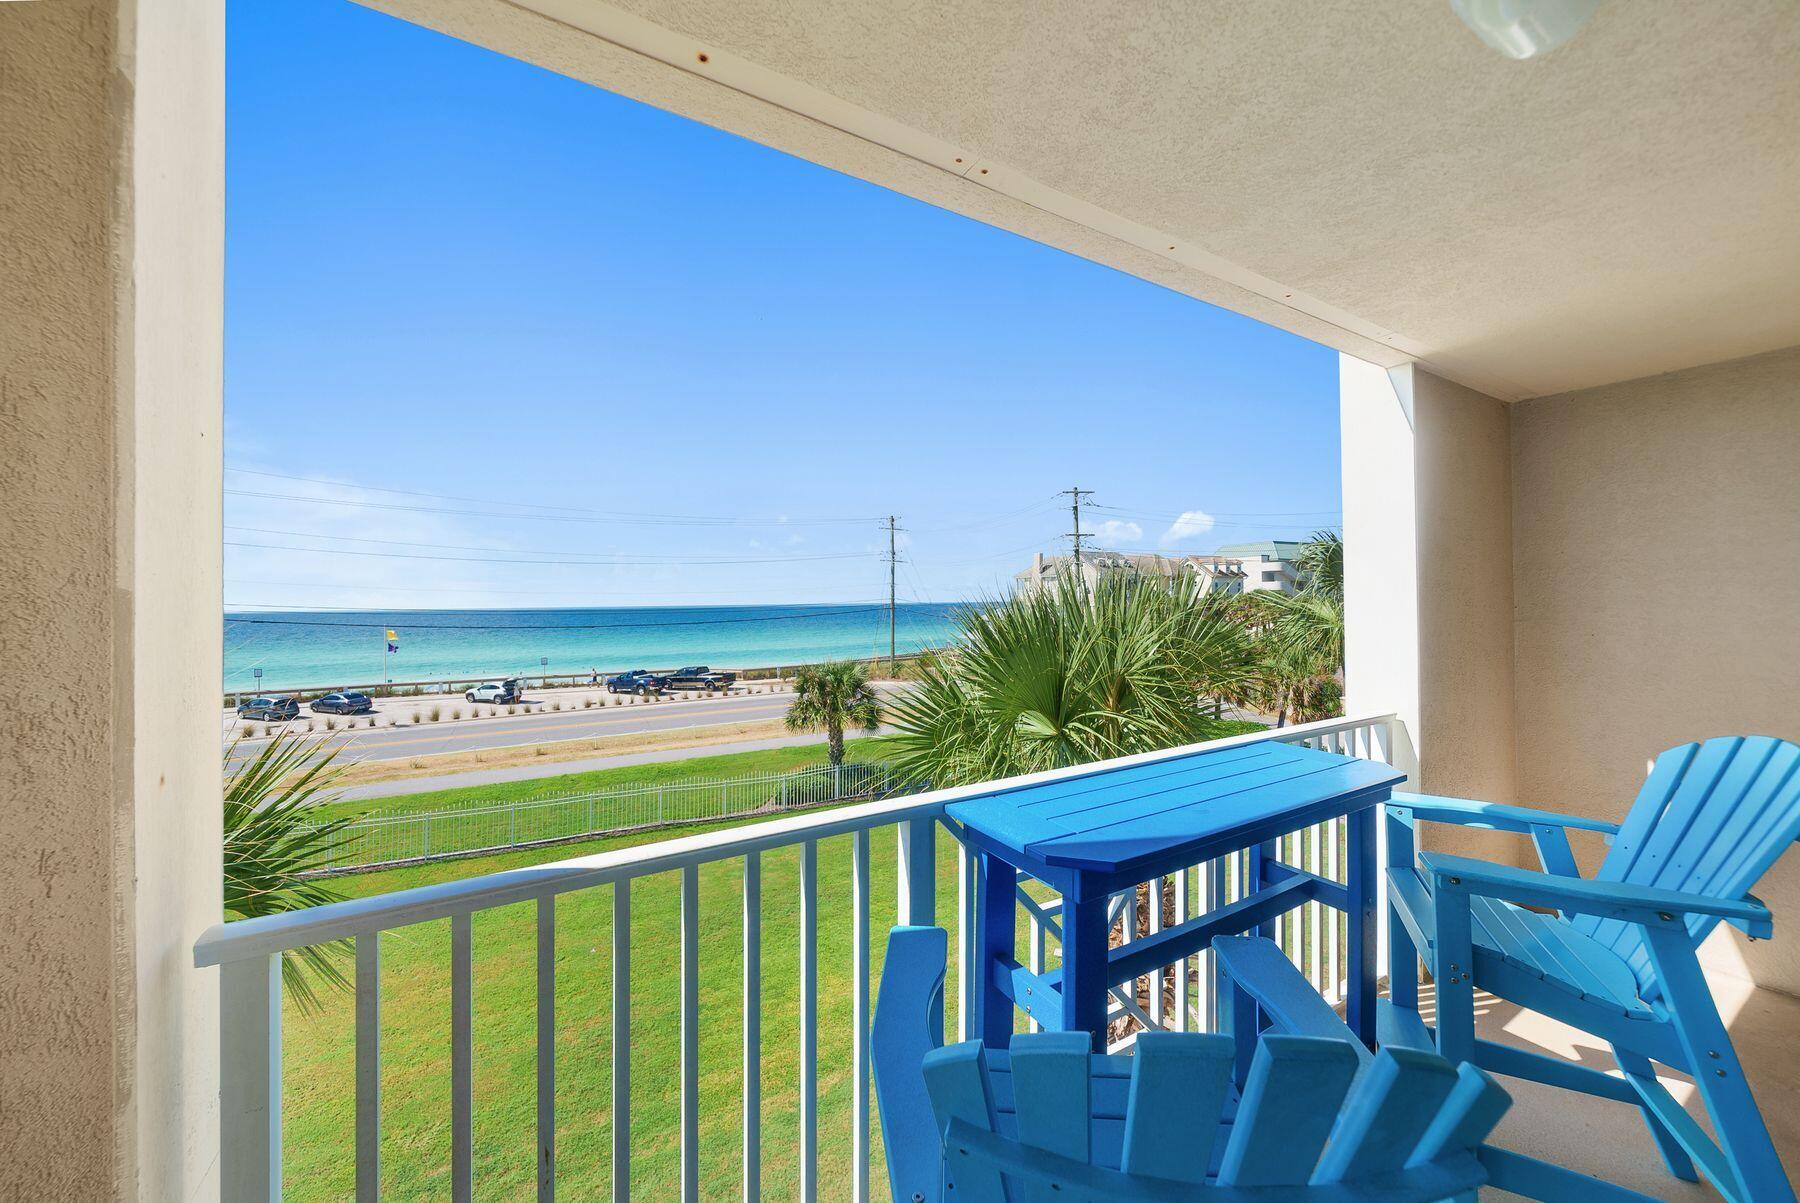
x=809, y=1021
x=1315, y=912
x=1181, y=966
x=916, y=903
x=690, y=1034
x=1154, y=900
x=859, y=1035
x=250, y=1079
x=1034, y=952
x=1209, y=969
x=462, y=1060
x=752, y=1027
x=368, y=1067
x=546, y=1048
x=1334, y=918
x=621, y=1041
x=965, y=942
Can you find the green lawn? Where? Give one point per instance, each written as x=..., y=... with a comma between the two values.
x=732, y=764
x=319, y=1050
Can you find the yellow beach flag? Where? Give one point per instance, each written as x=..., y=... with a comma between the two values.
x=393, y=641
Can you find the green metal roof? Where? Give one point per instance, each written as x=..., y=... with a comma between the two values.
x=1271, y=549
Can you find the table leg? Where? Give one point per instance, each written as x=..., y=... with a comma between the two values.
x=1084, y=964
x=1260, y=856
x=994, y=947
x=1364, y=889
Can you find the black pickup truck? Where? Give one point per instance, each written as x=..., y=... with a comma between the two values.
x=698, y=676
x=639, y=681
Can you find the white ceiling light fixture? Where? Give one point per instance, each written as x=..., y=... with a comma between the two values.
x=1524, y=29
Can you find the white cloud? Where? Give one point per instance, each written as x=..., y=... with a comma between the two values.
x=1191, y=525
x=1114, y=533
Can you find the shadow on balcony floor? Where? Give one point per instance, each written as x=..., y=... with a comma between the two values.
x=1609, y=1139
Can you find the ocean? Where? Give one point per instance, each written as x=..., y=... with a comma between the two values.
x=303, y=649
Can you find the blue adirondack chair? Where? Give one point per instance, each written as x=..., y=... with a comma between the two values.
x=1616, y=958
x=1296, y=1086
x=1050, y=1120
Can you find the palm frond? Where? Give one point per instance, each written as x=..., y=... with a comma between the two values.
x=1070, y=676
x=273, y=845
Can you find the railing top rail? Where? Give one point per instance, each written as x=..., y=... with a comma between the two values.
x=248, y=938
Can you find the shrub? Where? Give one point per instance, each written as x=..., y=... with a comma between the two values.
x=436, y=714
x=556, y=705
x=371, y=722
x=541, y=750
x=587, y=703
x=331, y=724
x=510, y=709
x=456, y=713
x=416, y=716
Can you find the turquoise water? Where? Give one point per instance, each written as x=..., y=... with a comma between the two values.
x=304, y=648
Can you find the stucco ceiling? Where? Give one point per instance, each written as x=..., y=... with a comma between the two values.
x=1364, y=172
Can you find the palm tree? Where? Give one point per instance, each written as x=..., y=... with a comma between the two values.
x=1309, y=623
x=272, y=845
x=834, y=696
x=1321, y=563
x=1069, y=676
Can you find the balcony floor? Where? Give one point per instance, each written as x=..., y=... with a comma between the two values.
x=1609, y=1139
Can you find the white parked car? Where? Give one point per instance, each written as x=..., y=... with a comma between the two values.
x=501, y=693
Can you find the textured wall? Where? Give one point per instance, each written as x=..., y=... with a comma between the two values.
x=111, y=125
x=66, y=1124
x=1657, y=566
x=1464, y=520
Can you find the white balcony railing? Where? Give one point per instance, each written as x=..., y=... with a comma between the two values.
x=249, y=954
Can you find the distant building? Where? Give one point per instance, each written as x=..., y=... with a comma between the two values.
x=1271, y=564
x=1214, y=573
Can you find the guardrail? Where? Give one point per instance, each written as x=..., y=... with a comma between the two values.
x=250, y=954
x=384, y=841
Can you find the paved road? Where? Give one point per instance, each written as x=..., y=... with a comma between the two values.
x=468, y=735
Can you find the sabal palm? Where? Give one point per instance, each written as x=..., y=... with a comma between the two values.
x=834, y=696
x=1068, y=676
x=272, y=844
x=1308, y=624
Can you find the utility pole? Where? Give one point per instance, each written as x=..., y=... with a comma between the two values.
x=1075, y=496
x=893, y=559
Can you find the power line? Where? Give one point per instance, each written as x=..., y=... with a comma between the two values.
x=826, y=612
x=1145, y=513
x=614, y=561
x=619, y=520
x=785, y=594
x=611, y=515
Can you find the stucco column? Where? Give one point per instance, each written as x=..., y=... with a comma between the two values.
x=111, y=250
x=1428, y=578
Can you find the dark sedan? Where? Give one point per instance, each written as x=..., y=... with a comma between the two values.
x=349, y=702
x=274, y=708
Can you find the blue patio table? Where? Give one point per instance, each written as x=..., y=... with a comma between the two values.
x=1092, y=835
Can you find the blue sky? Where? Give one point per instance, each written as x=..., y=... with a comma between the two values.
x=670, y=366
